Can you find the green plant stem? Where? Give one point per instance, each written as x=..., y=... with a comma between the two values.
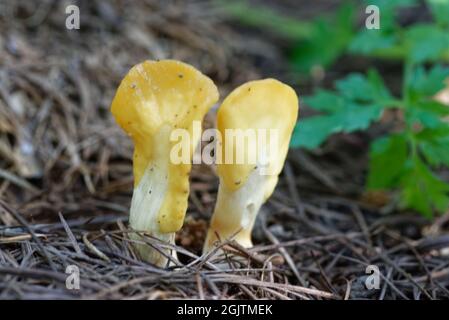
x=408, y=69
x=263, y=17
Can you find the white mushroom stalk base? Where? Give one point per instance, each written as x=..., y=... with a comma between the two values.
x=235, y=212
x=146, y=202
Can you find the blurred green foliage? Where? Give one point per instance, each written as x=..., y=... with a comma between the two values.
x=327, y=40
x=425, y=138
x=263, y=17
x=316, y=43
x=406, y=159
x=418, y=42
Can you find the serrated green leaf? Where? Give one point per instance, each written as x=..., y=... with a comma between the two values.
x=429, y=134
x=423, y=191
x=370, y=41
x=419, y=114
x=355, y=87
x=426, y=42
x=328, y=40
x=358, y=87
x=387, y=159
x=434, y=106
x=324, y=100
x=358, y=103
x=357, y=117
x=436, y=152
x=434, y=145
x=311, y=132
x=424, y=83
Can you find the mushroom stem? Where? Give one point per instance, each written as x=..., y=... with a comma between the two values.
x=236, y=211
x=148, y=199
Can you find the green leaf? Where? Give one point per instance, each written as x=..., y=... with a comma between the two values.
x=423, y=191
x=357, y=87
x=440, y=11
x=435, y=107
x=324, y=100
x=311, y=132
x=427, y=113
x=328, y=40
x=356, y=117
x=387, y=159
x=428, y=134
x=391, y=167
x=358, y=102
x=434, y=145
x=370, y=41
x=426, y=42
x=424, y=83
x=436, y=152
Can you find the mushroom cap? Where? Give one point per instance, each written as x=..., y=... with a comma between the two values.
x=154, y=93
x=262, y=104
x=154, y=98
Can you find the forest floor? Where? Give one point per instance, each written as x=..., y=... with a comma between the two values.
x=66, y=173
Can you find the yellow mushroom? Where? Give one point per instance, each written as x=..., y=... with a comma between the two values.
x=258, y=108
x=152, y=100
